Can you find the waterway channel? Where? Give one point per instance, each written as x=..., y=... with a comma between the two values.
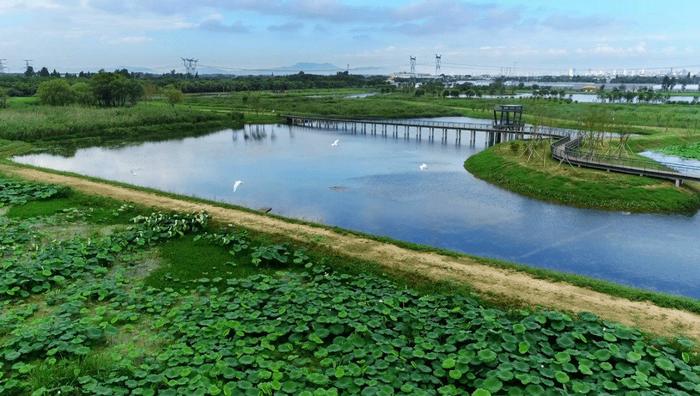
x=377, y=185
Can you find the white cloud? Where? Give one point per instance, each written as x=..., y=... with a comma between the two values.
x=130, y=40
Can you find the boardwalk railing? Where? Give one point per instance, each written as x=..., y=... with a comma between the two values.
x=566, y=146
x=569, y=150
x=487, y=126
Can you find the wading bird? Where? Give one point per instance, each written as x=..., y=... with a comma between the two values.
x=423, y=166
x=335, y=143
x=236, y=184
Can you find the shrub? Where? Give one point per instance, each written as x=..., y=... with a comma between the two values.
x=56, y=92
x=3, y=98
x=83, y=93
x=173, y=96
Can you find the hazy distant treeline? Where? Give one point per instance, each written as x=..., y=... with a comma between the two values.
x=28, y=83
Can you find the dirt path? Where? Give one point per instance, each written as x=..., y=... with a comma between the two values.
x=487, y=280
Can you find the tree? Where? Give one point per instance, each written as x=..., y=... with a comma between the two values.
x=44, y=72
x=3, y=98
x=29, y=72
x=174, y=96
x=82, y=92
x=112, y=89
x=56, y=92
x=149, y=90
x=55, y=74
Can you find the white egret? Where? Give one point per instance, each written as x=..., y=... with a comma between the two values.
x=423, y=166
x=236, y=184
x=335, y=143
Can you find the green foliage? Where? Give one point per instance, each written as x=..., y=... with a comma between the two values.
x=328, y=103
x=82, y=93
x=3, y=98
x=691, y=151
x=114, y=89
x=16, y=192
x=87, y=208
x=97, y=125
x=56, y=92
x=583, y=188
x=173, y=96
x=296, y=329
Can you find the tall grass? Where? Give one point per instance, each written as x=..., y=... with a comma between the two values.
x=47, y=123
x=322, y=104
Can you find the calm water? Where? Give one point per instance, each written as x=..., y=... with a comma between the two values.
x=374, y=184
x=586, y=98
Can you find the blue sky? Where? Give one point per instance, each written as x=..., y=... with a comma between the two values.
x=532, y=36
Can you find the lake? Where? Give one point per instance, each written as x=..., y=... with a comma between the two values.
x=375, y=185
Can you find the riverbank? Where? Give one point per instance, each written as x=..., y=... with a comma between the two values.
x=67, y=127
x=689, y=151
x=154, y=300
x=498, y=282
x=507, y=166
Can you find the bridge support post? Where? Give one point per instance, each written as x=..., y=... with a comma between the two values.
x=679, y=182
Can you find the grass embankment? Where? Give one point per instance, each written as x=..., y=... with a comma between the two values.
x=271, y=105
x=690, y=151
x=419, y=266
x=173, y=303
x=28, y=122
x=507, y=166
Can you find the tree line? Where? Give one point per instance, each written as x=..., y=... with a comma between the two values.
x=103, y=89
x=27, y=84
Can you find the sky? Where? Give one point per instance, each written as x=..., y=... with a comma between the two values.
x=508, y=36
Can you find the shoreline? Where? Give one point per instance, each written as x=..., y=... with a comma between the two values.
x=502, y=283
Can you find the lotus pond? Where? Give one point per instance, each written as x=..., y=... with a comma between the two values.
x=89, y=308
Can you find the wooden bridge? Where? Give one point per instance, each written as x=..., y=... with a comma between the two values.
x=429, y=128
x=565, y=147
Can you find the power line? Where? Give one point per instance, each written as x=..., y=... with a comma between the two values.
x=190, y=65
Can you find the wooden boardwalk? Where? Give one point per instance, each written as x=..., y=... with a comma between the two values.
x=564, y=148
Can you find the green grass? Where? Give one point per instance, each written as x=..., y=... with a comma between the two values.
x=295, y=329
x=73, y=123
x=413, y=280
x=186, y=260
x=691, y=151
x=96, y=210
x=69, y=370
x=550, y=181
x=330, y=105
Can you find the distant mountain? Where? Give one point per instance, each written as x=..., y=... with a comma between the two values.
x=310, y=67
x=203, y=69
x=137, y=69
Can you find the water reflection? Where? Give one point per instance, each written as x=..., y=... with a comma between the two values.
x=374, y=184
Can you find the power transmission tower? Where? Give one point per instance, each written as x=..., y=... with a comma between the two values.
x=438, y=61
x=28, y=62
x=413, y=66
x=2, y=66
x=190, y=65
